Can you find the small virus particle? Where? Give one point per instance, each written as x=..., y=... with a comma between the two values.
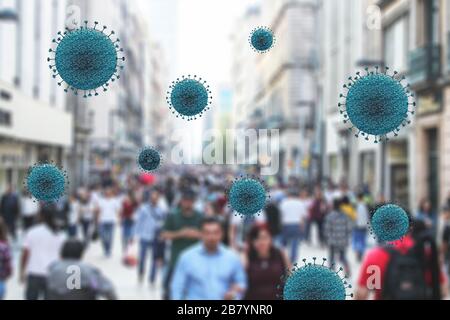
x=86, y=59
x=247, y=196
x=261, y=39
x=189, y=97
x=46, y=182
x=149, y=159
x=376, y=104
x=314, y=282
x=389, y=223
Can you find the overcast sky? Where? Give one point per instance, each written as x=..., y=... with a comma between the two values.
x=203, y=43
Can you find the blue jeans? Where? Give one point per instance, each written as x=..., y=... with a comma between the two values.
x=359, y=240
x=291, y=234
x=144, y=247
x=72, y=230
x=2, y=289
x=127, y=232
x=107, y=234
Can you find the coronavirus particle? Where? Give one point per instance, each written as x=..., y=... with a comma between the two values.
x=149, y=159
x=261, y=39
x=389, y=223
x=376, y=104
x=314, y=282
x=247, y=196
x=46, y=182
x=189, y=97
x=86, y=59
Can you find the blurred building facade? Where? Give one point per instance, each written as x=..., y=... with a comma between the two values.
x=351, y=39
x=277, y=90
x=35, y=124
x=416, y=37
x=130, y=114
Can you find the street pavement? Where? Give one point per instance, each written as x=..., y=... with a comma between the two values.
x=125, y=278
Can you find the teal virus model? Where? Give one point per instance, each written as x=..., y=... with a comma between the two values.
x=261, y=39
x=247, y=196
x=376, y=104
x=314, y=282
x=46, y=182
x=149, y=159
x=189, y=97
x=389, y=223
x=86, y=59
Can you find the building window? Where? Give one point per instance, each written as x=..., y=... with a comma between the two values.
x=396, y=44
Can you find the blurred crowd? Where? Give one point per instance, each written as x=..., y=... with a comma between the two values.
x=177, y=228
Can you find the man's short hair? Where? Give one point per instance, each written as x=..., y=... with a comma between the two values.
x=72, y=250
x=211, y=220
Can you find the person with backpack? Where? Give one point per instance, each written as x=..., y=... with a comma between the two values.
x=62, y=281
x=5, y=258
x=407, y=269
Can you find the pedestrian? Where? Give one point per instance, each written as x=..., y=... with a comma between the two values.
x=337, y=231
x=427, y=214
x=317, y=212
x=29, y=209
x=404, y=270
x=273, y=219
x=360, y=228
x=209, y=270
x=149, y=221
x=264, y=264
x=129, y=205
x=5, y=258
x=182, y=228
x=294, y=212
x=9, y=210
x=73, y=215
x=62, y=283
x=41, y=248
x=445, y=248
x=108, y=210
x=87, y=215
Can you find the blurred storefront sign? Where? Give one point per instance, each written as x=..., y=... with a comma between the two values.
x=428, y=104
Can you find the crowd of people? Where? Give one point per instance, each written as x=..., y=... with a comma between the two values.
x=181, y=228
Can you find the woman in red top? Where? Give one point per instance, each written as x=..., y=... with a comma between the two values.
x=264, y=264
x=129, y=205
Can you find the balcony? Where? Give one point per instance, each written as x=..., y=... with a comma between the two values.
x=424, y=66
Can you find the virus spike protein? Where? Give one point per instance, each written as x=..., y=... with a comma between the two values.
x=389, y=223
x=189, y=97
x=247, y=196
x=261, y=39
x=149, y=159
x=86, y=59
x=376, y=104
x=314, y=282
x=46, y=182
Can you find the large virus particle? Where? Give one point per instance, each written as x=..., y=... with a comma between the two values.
x=261, y=39
x=46, y=182
x=314, y=282
x=247, y=196
x=389, y=223
x=189, y=97
x=376, y=104
x=86, y=59
x=149, y=159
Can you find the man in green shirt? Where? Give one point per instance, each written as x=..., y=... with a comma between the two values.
x=182, y=229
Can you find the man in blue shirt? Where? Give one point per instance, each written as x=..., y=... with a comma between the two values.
x=209, y=270
x=149, y=221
